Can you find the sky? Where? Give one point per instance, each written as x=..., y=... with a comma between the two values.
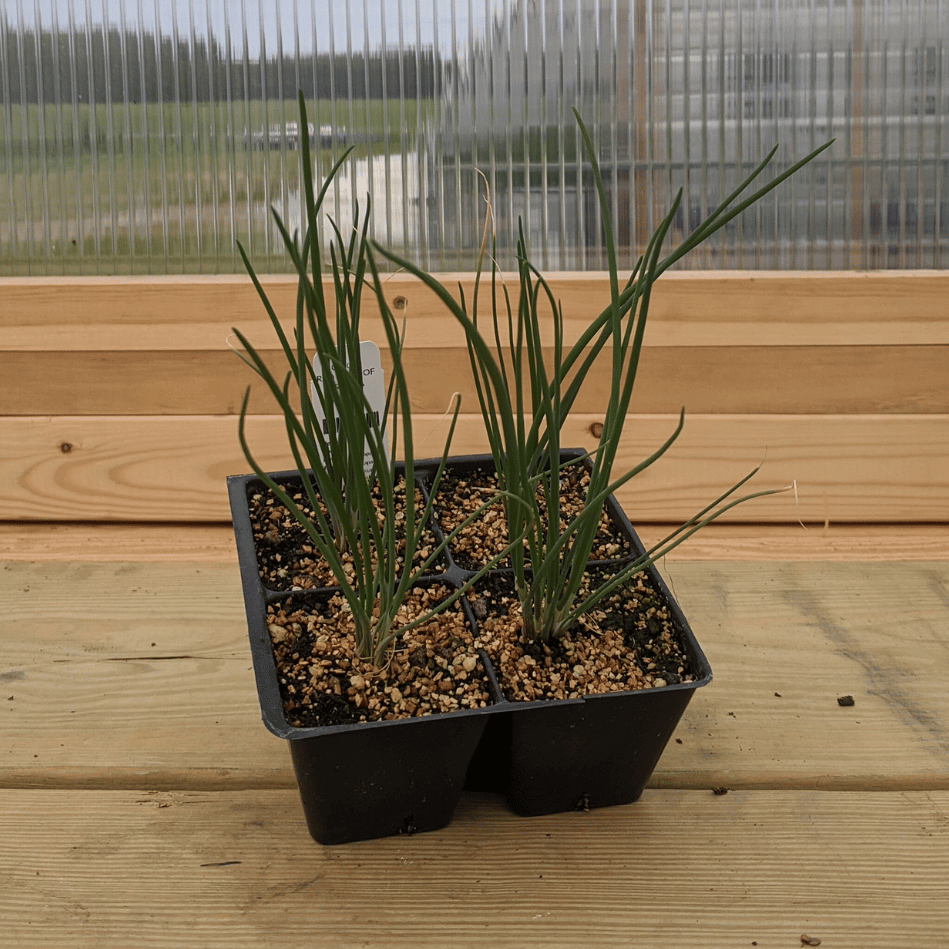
x=351, y=24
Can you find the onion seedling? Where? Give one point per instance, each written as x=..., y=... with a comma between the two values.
x=525, y=404
x=339, y=439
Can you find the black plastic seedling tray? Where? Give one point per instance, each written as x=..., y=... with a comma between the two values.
x=383, y=778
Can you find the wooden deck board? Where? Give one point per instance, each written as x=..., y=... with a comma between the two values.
x=130, y=313
x=860, y=468
x=138, y=675
x=785, y=380
x=214, y=543
x=676, y=869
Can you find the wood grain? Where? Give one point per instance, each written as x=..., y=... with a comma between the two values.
x=791, y=379
x=214, y=543
x=847, y=468
x=93, y=870
x=138, y=675
x=733, y=307
x=432, y=329
x=143, y=803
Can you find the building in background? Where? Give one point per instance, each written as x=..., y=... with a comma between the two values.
x=694, y=95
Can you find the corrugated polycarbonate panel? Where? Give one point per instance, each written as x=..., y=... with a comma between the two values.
x=149, y=136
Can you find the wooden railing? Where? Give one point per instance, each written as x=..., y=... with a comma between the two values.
x=118, y=396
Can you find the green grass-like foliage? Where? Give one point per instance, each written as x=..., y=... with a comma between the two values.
x=348, y=460
x=525, y=404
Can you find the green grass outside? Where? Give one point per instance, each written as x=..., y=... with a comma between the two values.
x=189, y=160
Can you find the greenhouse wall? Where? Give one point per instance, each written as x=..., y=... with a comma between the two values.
x=138, y=138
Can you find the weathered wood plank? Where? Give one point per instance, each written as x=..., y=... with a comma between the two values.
x=707, y=380
x=172, y=468
x=727, y=308
x=122, y=663
x=138, y=675
x=214, y=543
x=133, y=542
x=437, y=331
x=677, y=868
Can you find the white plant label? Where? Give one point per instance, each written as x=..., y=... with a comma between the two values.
x=373, y=388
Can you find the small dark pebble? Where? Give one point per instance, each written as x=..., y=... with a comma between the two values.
x=777, y=695
x=845, y=700
x=719, y=791
x=678, y=740
x=418, y=656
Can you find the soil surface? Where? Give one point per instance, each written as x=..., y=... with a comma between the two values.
x=628, y=641
x=286, y=557
x=460, y=495
x=434, y=668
